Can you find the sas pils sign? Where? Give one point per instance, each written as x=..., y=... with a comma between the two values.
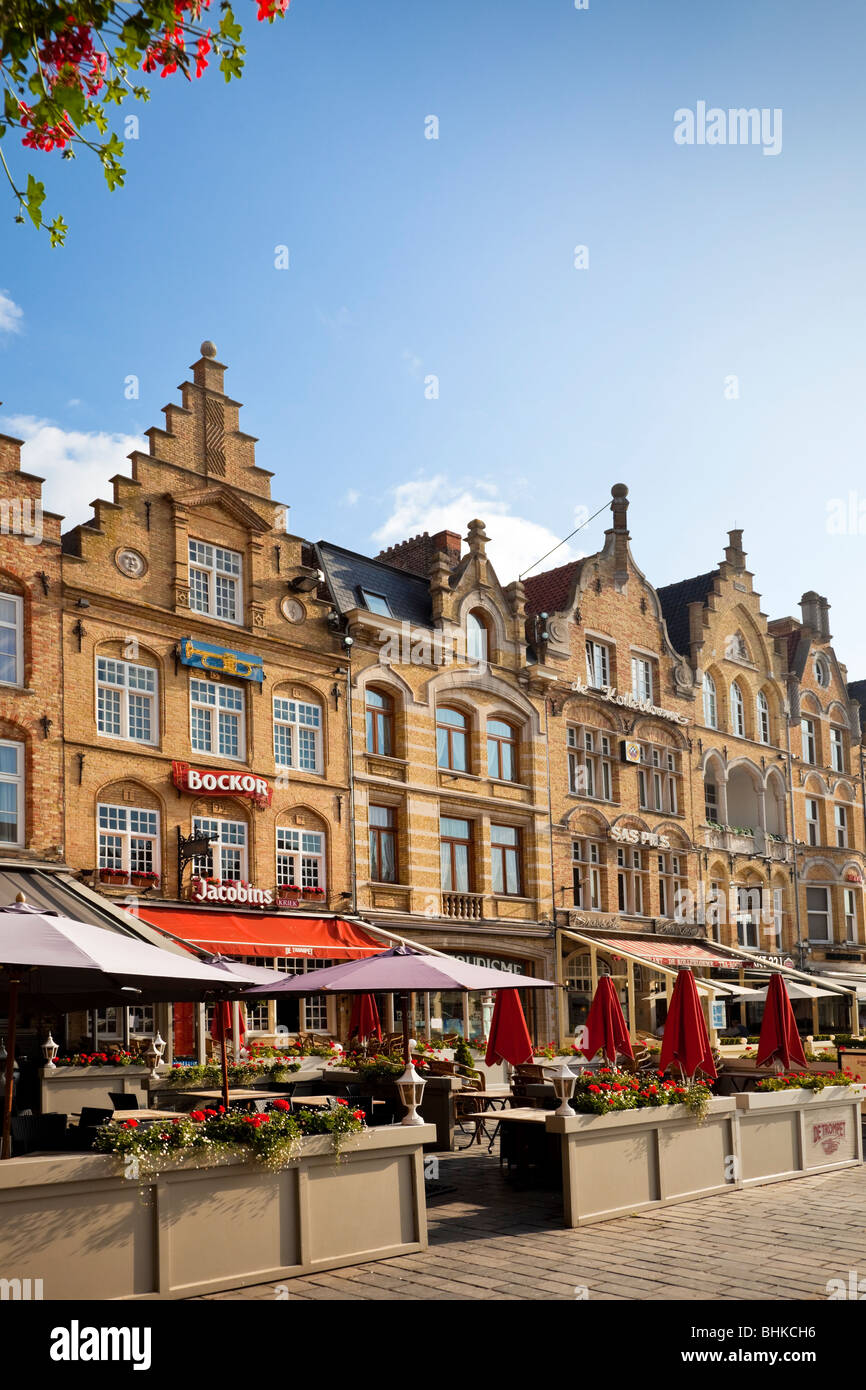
x=204, y=781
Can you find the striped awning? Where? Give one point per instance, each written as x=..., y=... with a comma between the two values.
x=671, y=953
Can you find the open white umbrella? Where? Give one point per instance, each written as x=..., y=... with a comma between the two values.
x=58, y=963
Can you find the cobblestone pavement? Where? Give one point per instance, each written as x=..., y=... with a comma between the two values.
x=490, y=1241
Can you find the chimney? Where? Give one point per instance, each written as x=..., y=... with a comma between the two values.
x=416, y=555
x=810, y=607
x=734, y=553
x=824, y=618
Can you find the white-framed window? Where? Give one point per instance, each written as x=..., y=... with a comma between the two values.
x=738, y=711
x=657, y=779
x=813, y=823
x=818, y=914
x=641, y=678
x=711, y=709
x=300, y=858
x=128, y=838
x=215, y=581
x=11, y=792
x=126, y=700
x=315, y=1008
x=590, y=769
x=850, y=905
x=778, y=915
x=597, y=664
x=297, y=734
x=840, y=814
x=216, y=714
x=630, y=881
x=748, y=916
x=671, y=883
x=11, y=640
x=763, y=721
x=837, y=749
x=711, y=802
x=227, y=856
x=807, y=733
x=586, y=874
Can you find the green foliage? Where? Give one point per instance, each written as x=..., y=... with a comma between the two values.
x=606, y=1090
x=806, y=1081
x=209, y=1076
x=63, y=65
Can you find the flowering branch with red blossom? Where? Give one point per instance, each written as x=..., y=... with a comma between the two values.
x=63, y=65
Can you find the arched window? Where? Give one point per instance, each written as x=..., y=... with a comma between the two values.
x=476, y=638
x=126, y=694
x=380, y=723
x=300, y=859
x=451, y=746
x=763, y=718
x=711, y=718
x=501, y=750
x=738, y=711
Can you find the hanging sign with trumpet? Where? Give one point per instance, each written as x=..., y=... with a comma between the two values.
x=210, y=658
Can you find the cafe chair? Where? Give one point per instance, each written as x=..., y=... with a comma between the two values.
x=80, y=1137
x=123, y=1100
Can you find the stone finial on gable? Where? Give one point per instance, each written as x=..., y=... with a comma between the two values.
x=477, y=538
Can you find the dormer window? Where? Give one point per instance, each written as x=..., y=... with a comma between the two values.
x=377, y=603
x=215, y=581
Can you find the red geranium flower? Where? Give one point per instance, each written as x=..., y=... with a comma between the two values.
x=340, y=1101
x=197, y=1115
x=130, y=1124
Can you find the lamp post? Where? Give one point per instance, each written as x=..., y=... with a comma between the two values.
x=156, y=1049
x=563, y=1084
x=411, y=1088
x=50, y=1050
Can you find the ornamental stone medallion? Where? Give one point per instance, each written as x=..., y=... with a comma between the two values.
x=131, y=563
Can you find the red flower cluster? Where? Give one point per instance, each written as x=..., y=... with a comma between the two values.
x=281, y=1105
x=256, y=1120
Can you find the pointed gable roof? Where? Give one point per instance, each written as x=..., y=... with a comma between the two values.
x=550, y=591
x=675, y=600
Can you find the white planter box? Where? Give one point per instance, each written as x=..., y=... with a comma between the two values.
x=790, y=1134
x=87, y=1232
x=632, y=1160
x=69, y=1089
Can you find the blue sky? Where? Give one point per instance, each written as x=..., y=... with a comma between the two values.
x=454, y=258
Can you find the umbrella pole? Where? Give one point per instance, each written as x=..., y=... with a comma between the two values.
x=404, y=1004
x=6, y=1150
x=223, y=1057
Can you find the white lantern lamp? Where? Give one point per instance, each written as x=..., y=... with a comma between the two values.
x=563, y=1084
x=50, y=1050
x=411, y=1088
x=156, y=1049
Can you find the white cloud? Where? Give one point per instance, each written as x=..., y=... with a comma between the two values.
x=10, y=314
x=351, y=498
x=75, y=464
x=440, y=504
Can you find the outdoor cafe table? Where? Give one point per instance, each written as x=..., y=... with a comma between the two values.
x=238, y=1095
x=120, y=1116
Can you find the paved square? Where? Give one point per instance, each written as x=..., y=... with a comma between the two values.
x=489, y=1240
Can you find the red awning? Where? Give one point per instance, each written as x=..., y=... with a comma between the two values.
x=668, y=953
x=265, y=934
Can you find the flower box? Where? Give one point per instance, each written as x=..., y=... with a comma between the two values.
x=145, y=880
x=792, y=1133
x=202, y=1226
x=69, y=1089
x=634, y=1160
x=116, y=876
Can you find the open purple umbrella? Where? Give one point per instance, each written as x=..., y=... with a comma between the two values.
x=400, y=971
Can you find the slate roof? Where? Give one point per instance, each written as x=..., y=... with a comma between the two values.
x=675, y=600
x=348, y=573
x=549, y=592
x=857, y=691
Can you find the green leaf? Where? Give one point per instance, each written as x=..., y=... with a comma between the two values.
x=57, y=231
x=35, y=197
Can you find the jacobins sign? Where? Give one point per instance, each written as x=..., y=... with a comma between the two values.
x=209, y=658
x=199, y=779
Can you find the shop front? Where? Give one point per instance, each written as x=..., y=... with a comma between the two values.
x=454, y=1014
x=284, y=942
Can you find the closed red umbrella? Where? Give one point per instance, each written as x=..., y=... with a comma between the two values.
x=365, y=1018
x=779, y=1040
x=509, y=1039
x=686, y=1040
x=221, y=1024
x=605, y=1025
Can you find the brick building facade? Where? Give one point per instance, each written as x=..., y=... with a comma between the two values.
x=522, y=774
